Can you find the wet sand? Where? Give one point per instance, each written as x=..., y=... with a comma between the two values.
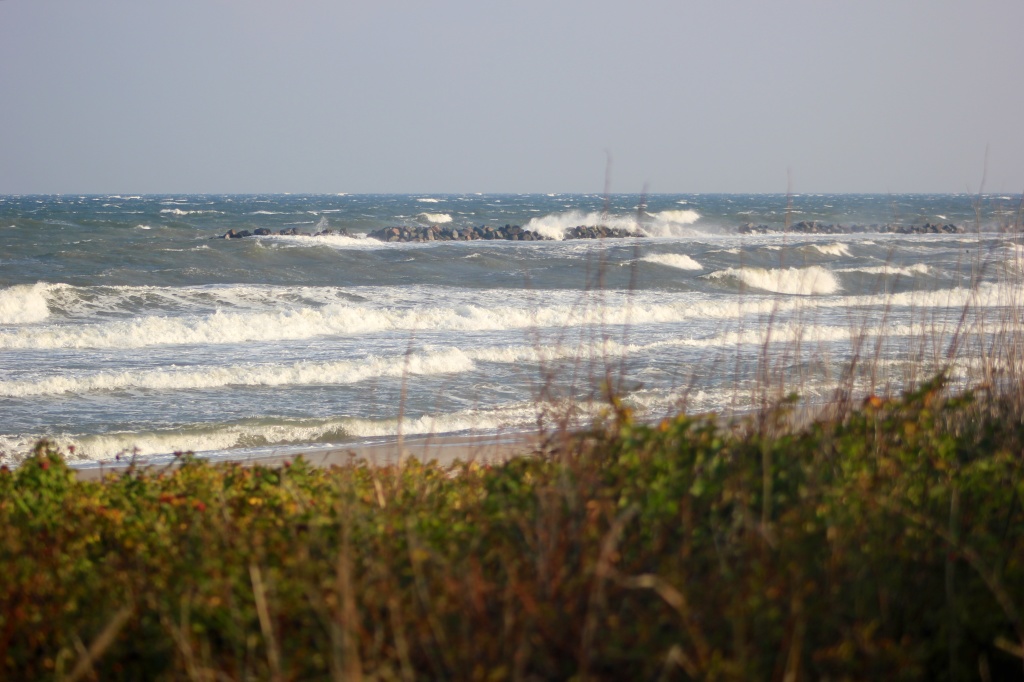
x=445, y=449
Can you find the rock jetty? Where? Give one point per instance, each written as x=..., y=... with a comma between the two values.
x=600, y=232
x=437, y=233
x=262, y=231
x=507, y=233
x=815, y=227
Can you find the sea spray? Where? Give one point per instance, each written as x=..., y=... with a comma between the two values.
x=662, y=224
x=24, y=304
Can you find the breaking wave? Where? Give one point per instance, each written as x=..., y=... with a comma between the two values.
x=909, y=271
x=662, y=224
x=834, y=249
x=679, y=261
x=813, y=280
x=565, y=309
x=24, y=304
x=434, y=218
x=299, y=373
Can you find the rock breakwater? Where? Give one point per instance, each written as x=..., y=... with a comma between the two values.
x=447, y=233
x=815, y=227
x=288, y=231
x=436, y=233
x=507, y=233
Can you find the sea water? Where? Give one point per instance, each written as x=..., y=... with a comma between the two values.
x=124, y=328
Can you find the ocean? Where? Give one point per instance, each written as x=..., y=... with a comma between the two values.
x=125, y=328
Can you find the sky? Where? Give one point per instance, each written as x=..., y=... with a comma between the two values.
x=325, y=96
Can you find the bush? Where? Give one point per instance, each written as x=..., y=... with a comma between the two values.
x=886, y=545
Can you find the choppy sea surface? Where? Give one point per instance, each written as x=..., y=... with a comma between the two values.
x=125, y=328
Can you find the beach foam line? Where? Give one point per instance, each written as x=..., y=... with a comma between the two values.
x=200, y=438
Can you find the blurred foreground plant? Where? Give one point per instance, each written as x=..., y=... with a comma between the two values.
x=887, y=545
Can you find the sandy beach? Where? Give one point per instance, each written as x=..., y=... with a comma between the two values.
x=445, y=449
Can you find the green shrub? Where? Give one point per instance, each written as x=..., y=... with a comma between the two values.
x=887, y=545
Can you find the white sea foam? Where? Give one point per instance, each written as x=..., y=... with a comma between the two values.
x=813, y=280
x=679, y=261
x=24, y=304
x=434, y=218
x=294, y=374
x=335, y=241
x=292, y=313
x=305, y=373
x=337, y=319
x=678, y=216
x=429, y=201
x=662, y=224
x=834, y=249
x=178, y=211
x=214, y=438
x=909, y=271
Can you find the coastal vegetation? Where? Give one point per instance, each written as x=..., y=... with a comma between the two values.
x=886, y=542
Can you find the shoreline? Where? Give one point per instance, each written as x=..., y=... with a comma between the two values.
x=446, y=449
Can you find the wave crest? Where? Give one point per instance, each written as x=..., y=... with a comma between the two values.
x=813, y=280
x=674, y=260
x=434, y=218
x=24, y=304
x=662, y=224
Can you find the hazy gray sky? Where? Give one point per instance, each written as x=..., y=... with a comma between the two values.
x=477, y=96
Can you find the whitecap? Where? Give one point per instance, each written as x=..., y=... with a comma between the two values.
x=834, y=249
x=24, y=303
x=674, y=260
x=178, y=211
x=295, y=374
x=813, y=280
x=916, y=269
x=680, y=217
x=662, y=224
x=434, y=218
